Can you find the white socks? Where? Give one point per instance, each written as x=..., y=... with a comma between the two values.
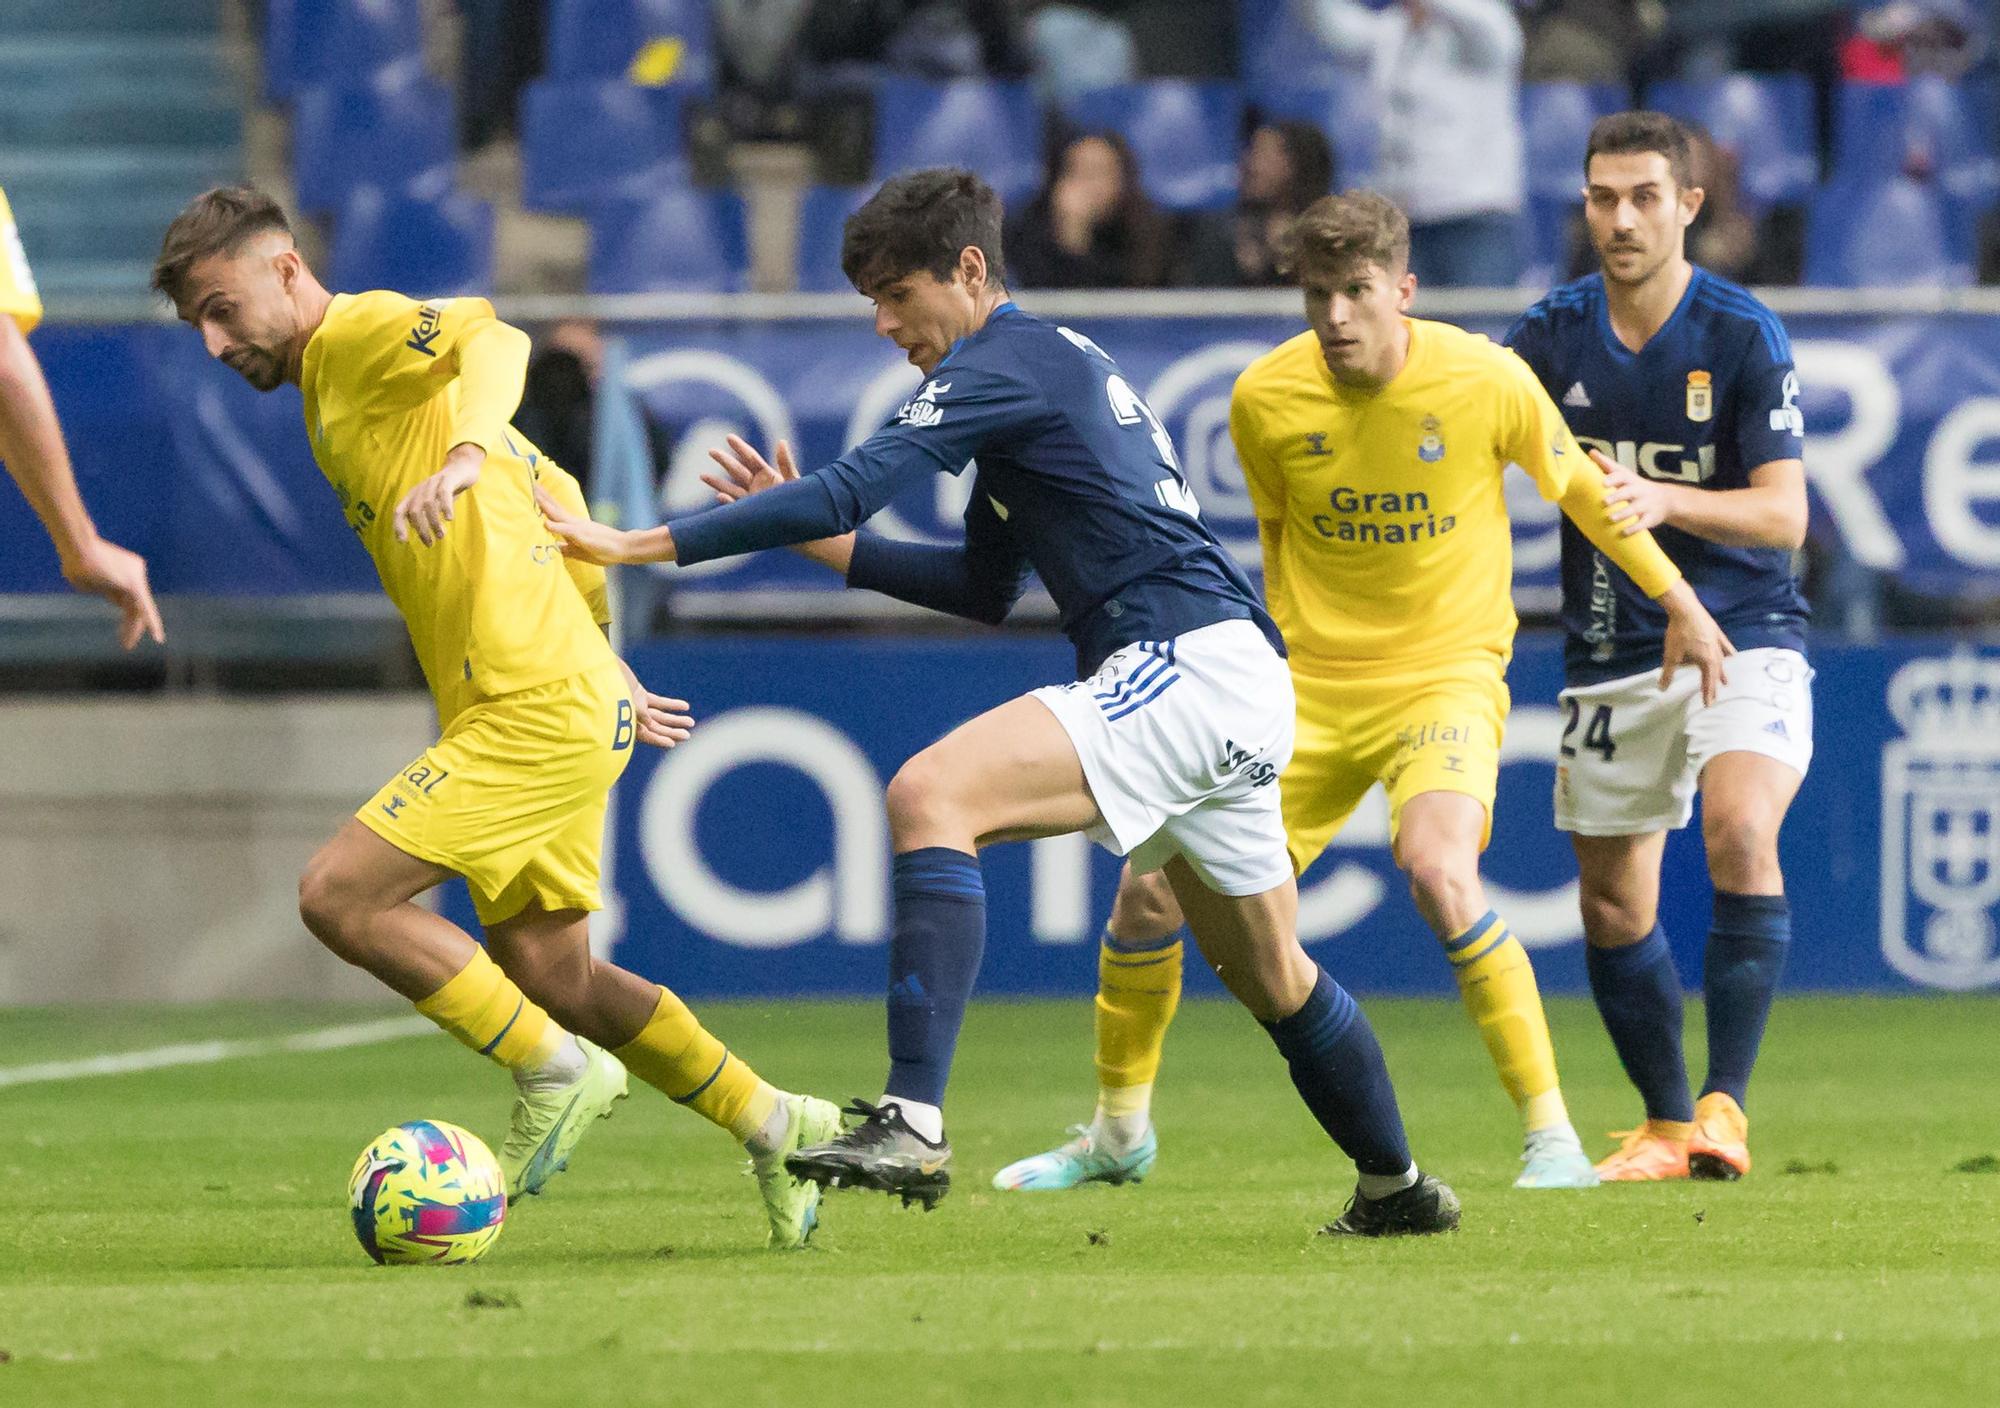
x=926, y=1120
x=1380, y=1185
x=1119, y=1133
x=565, y=1067
x=770, y=1134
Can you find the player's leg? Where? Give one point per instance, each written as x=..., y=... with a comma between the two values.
x=1744, y=800
x=1336, y=1064
x=1438, y=839
x=1139, y=964
x=1638, y=996
x=631, y=1024
x=1010, y=774
x=356, y=897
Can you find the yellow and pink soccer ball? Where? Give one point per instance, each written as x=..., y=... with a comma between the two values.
x=427, y=1191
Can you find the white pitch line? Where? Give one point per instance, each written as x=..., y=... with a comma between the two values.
x=205, y=1053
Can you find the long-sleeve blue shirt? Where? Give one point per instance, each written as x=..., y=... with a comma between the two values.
x=1076, y=480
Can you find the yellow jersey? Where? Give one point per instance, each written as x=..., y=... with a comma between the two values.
x=19, y=298
x=494, y=607
x=1381, y=512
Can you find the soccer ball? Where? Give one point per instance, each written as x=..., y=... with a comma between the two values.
x=427, y=1191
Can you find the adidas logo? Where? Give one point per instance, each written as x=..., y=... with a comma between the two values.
x=1777, y=726
x=1577, y=396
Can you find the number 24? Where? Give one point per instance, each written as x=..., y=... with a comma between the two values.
x=1596, y=737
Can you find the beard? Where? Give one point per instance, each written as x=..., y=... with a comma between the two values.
x=260, y=368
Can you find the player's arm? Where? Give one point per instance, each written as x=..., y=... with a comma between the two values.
x=463, y=341
x=1539, y=441
x=1488, y=35
x=31, y=446
x=977, y=406
x=1769, y=432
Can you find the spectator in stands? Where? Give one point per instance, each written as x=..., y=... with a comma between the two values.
x=1076, y=49
x=1285, y=167
x=1448, y=77
x=1091, y=225
x=500, y=50
x=1897, y=40
x=558, y=397
x=1587, y=41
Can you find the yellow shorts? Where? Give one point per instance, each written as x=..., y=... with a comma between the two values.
x=513, y=796
x=1438, y=731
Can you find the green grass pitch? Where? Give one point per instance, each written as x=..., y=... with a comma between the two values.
x=180, y=1236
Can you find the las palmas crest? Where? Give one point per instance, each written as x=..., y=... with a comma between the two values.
x=1941, y=823
x=1430, y=449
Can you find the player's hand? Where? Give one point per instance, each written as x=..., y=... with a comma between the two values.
x=590, y=541
x=745, y=472
x=428, y=507
x=119, y=576
x=656, y=719
x=1632, y=501
x=1693, y=638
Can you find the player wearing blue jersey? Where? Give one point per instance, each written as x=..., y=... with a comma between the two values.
x=1167, y=748
x=1683, y=387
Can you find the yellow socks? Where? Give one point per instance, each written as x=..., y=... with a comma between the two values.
x=1497, y=984
x=1138, y=991
x=483, y=1008
x=677, y=1056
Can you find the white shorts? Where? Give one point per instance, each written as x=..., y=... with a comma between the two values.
x=1632, y=753
x=1182, y=742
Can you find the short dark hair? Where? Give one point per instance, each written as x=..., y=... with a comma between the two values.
x=922, y=221
x=215, y=222
x=1624, y=133
x=1336, y=234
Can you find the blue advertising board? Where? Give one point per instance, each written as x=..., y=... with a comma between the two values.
x=754, y=859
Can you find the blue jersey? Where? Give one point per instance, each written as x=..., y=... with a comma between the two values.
x=1710, y=397
x=1076, y=480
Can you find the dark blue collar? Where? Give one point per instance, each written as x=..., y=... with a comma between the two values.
x=1008, y=307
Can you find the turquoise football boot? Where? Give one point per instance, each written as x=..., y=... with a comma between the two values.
x=1554, y=1158
x=1079, y=1162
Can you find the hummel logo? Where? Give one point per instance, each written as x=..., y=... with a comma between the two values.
x=1316, y=443
x=1777, y=726
x=1577, y=396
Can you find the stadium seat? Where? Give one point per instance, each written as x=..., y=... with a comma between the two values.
x=1346, y=110
x=589, y=140
x=1928, y=126
x=1556, y=120
x=657, y=43
x=425, y=248
x=678, y=241
x=309, y=42
x=393, y=131
x=1893, y=233
x=822, y=214
x=992, y=127
x=1279, y=50
x=1184, y=136
x=1765, y=119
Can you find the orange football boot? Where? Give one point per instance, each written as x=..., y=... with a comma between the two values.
x=1720, y=1147
x=1654, y=1152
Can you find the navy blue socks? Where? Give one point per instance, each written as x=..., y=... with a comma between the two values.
x=1639, y=996
x=933, y=962
x=1746, y=952
x=1338, y=1068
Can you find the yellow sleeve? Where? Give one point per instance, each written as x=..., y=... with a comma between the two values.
x=1266, y=484
x=1535, y=437
x=19, y=298
x=404, y=353
x=588, y=577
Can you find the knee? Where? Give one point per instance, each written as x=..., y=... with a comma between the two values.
x=324, y=909
x=1742, y=851
x=1612, y=920
x=918, y=798
x=1446, y=886
x=1145, y=907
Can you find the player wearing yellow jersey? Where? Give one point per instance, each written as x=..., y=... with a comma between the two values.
x=407, y=406
x=31, y=446
x=1374, y=447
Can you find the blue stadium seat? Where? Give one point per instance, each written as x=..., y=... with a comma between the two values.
x=1765, y=119
x=992, y=127
x=391, y=131
x=1930, y=123
x=678, y=241
x=1556, y=120
x=583, y=141
x=1184, y=136
x=425, y=248
x=822, y=214
x=1346, y=110
x=1887, y=233
x=1546, y=230
x=309, y=42
x=1279, y=50
x=672, y=40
